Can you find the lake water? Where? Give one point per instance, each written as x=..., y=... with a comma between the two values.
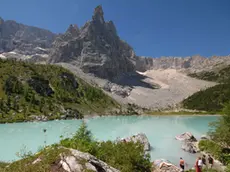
x=161, y=132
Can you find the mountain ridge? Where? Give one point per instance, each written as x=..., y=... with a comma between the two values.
x=89, y=35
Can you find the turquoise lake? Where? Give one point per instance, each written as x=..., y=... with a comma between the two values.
x=161, y=132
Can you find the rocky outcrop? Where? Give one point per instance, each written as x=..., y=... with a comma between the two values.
x=189, y=146
x=23, y=39
x=122, y=91
x=95, y=48
x=141, y=137
x=76, y=161
x=68, y=81
x=41, y=86
x=189, y=142
x=186, y=136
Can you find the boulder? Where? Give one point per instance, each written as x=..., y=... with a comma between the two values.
x=186, y=136
x=162, y=165
x=189, y=142
x=189, y=146
x=141, y=137
x=78, y=161
x=123, y=91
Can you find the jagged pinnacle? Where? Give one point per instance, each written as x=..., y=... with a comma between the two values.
x=98, y=14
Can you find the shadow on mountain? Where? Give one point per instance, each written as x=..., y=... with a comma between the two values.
x=135, y=80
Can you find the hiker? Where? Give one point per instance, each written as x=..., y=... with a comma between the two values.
x=182, y=164
x=204, y=160
x=198, y=165
x=210, y=161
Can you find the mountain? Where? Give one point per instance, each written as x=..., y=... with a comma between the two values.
x=23, y=42
x=45, y=92
x=95, y=48
x=23, y=38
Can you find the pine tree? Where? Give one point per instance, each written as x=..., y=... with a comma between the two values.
x=8, y=101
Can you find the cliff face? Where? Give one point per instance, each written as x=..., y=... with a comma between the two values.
x=192, y=63
x=95, y=48
x=23, y=39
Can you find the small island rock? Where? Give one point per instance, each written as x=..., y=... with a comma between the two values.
x=140, y=137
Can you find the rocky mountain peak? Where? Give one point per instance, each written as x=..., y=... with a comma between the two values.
x=98, y=14
x=96, y=49
x=73, y=30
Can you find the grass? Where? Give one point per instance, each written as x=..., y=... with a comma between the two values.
x=48, y=158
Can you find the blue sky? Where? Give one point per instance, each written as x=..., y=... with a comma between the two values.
x=152, y=27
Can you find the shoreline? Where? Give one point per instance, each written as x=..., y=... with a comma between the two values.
x=165, y=114
x=181, y=115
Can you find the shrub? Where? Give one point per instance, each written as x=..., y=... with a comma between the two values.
x=123, y=156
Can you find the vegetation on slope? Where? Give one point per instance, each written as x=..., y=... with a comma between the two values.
x=29, y=91
x=212, y=99
x=123, y=156
x=219, y=145
x=218, y=75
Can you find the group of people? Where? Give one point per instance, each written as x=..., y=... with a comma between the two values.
x=200, y=163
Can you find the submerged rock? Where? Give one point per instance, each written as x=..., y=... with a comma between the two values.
x=141, y=137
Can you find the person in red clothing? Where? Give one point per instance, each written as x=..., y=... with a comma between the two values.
x=198, y=165
x=182, y=164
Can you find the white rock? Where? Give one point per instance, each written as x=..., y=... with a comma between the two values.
x=36, y=161
x=78, y=161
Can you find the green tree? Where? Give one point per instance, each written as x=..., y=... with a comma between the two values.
x=15, y=104
x=221, y=129
x=41, y=104
x=8, y=101
x=83, y=133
